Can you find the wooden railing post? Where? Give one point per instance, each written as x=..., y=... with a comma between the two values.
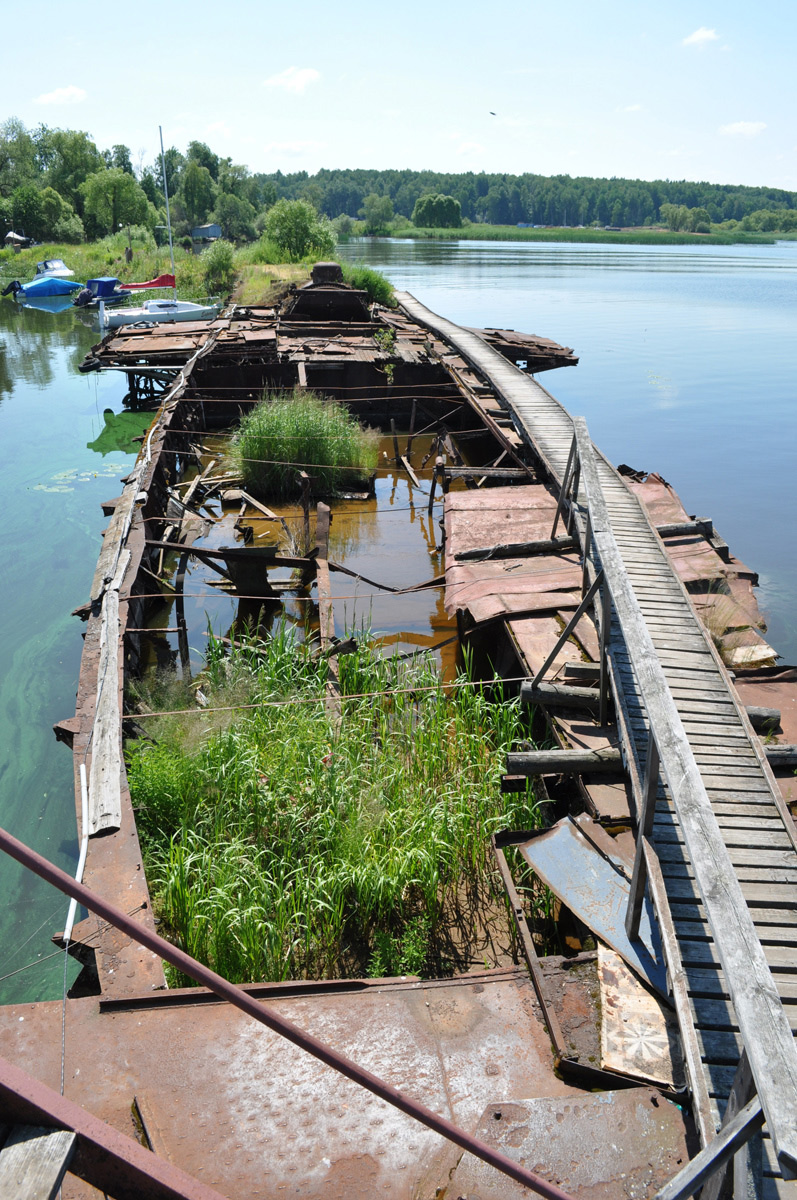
x=644, y=829
x=565, y=485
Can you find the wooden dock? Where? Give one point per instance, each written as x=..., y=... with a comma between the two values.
x=723, y=865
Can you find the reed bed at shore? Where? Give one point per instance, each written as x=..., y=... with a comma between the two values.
x=631, y=237
x=294, y=430
x=281, y=844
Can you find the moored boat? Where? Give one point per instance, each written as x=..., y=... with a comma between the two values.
x=106, y=288
x=153, y=311
x=55, y=268
x=42, y=285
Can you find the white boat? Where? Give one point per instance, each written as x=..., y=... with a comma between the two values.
x=152, y=311
x=53, y=268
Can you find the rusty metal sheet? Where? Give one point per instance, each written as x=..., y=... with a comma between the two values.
x=238, y=1107
x=499, y=604
x=258, y=335
x=620, y=1145
x=467, y=582
x=596, y=890
x=639, y=1035
x=663, y=505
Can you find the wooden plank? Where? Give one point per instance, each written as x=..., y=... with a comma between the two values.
x=33, y=1162
x=105, y=773
x=766, y=1033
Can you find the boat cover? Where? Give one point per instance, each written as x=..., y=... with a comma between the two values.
x=49, y=285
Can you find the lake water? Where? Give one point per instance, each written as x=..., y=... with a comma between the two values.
x=688, y=367
x=52, y=482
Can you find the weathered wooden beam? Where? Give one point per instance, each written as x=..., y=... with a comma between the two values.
x=485, y=472
x=781, y=756
x=564, y=762
x=560, y=695
x=405, y=462
x=517, y=549
x=105, y=778
x=763, y=720
x=34, y=1160
x=553, y=545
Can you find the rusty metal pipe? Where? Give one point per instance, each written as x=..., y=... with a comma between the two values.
x=266, y=1016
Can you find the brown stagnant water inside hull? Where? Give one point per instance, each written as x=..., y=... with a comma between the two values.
x=389, y=537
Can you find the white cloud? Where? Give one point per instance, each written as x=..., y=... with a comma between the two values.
x=294, y=79
x=64, y=95
x=701, y=36
x=630, y=108
x=220, y=127
x=470, y=148
x=743, y=128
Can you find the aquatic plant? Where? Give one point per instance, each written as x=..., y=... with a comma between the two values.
x=298, y=430
x=282, y=844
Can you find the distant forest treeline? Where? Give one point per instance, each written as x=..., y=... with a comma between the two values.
x=537, y=199
x=56, y=184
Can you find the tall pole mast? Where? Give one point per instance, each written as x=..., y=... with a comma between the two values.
x=168, y=217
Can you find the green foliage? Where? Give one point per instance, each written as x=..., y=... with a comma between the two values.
x=295, y=226
x=292, y=431
x=197, y=192
x=378, y=287
x=112, y=197
x=437, y=212
x=235, y=216
x=218, y=264
x=342, y=225
x=282, y=845
x=377, y=213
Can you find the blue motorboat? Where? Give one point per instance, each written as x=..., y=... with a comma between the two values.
x=42, y=285
x=106, y=288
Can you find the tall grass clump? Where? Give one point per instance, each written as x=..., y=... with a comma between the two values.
x=298, y=430
x=283, y=844
x=377, y=285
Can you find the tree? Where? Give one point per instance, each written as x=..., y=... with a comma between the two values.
x=201, y=154
x=298, y=230
x=18, y=164
x=74, y=158
x=236, y=217
x=437, y=212
x=174, y=165
x=112, y=197
x=197, y=192
x=26, y=210
x=377, y=212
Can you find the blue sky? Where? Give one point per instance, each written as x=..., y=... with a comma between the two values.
x=682, y=90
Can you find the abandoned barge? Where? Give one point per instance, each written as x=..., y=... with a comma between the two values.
x=609, y=606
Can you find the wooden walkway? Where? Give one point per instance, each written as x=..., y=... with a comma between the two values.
x=755, y=825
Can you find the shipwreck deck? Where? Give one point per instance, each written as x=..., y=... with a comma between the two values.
x=754, y=824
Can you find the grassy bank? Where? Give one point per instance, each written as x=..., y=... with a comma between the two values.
x=255, y=283
x=281, y=845
x=634, y=237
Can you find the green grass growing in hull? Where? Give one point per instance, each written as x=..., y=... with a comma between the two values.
x=281, y=844
x=298, y=430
